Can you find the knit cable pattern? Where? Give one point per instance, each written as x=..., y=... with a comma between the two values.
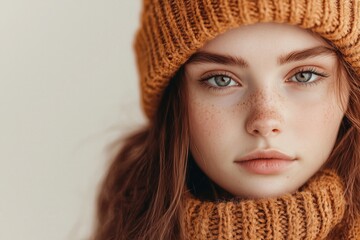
x=310, y=213
x=172, y=30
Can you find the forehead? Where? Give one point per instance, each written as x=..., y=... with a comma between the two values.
x=264, y=39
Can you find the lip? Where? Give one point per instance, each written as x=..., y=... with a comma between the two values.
x=266, y=154
x=265, y=162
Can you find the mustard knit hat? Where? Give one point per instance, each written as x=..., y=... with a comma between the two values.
x=172, y=30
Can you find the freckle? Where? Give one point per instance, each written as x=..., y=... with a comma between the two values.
x=241, y=104
x=207, y=113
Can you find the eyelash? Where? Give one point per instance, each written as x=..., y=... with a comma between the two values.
x=204, y=80
x=311, y=70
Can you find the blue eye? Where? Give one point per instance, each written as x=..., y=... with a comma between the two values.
x=221, y=81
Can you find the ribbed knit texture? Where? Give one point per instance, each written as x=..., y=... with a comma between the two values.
x=172, y=30
x=311, y=213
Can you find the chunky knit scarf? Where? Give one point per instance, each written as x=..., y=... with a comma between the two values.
x=314, y=212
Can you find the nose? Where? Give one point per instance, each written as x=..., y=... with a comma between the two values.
x=264, y=125
x=265, y=118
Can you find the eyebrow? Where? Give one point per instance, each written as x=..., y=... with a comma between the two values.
x=208, y=57
x=307, y=53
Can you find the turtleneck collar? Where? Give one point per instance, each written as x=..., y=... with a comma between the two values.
x=310, y=213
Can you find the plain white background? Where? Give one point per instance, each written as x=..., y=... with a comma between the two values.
x=68, y=88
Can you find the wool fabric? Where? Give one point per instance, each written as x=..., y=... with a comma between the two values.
x=172, y=30
x=314, y=212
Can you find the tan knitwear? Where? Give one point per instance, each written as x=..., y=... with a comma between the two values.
x=314, y=212
x=172, y=30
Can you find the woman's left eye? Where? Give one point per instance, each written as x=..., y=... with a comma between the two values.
x=306, y=76
x=221, y=81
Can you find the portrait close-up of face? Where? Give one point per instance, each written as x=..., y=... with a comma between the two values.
x=265, y=105
x=252, y=124
x=180, y=120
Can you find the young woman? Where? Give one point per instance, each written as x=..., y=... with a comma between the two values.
x=254, y=124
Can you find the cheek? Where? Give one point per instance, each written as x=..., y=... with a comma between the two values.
x=206, y=122
x=317, y=124
x=317, y=116
x=333, y=116
x=211, y=130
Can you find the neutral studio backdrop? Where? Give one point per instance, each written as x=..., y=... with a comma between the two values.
x=68, y=89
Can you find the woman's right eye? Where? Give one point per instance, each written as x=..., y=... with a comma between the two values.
x=220, y=81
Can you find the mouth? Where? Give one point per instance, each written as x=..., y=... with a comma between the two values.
x=265, y=162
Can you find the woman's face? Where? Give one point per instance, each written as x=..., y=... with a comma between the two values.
x=264, y=108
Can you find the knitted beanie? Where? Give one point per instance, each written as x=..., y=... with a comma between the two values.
x=172, y=30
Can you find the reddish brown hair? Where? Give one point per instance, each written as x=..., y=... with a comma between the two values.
x=345, y=157
x=141, y=194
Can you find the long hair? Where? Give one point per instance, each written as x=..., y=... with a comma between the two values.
x=345, y=157
x=141, y=196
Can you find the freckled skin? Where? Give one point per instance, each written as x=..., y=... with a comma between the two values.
x=265, y=111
